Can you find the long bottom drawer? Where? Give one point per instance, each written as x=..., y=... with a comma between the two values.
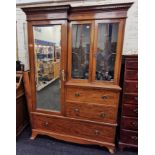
x=73, y=127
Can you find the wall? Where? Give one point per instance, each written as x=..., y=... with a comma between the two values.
x=130, y=39
x=22, y=38
x=50, y=34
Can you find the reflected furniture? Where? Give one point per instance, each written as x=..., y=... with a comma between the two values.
x=89, y=42
x=22, y=118
x=129, y=114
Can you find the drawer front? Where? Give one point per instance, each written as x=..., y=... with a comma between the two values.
x=94, y=112
x=130, y=98
x=130, y=110
x=75, y=128
x=92, y=96
x=131, y=64
x=130, y=137
x=130, y=87
x=129, y=123
x=131, y=75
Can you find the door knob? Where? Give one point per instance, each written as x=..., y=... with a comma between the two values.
x=63, y=75
x=104, y=97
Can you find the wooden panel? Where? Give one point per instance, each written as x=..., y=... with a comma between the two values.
x=130, y=123
x=41, y=16
x=130, y=110
x=131, y=75
x=21, y=114
x=132, y=64
x=74, y=127
x=130, y=98
x=94, y=112
x=92, y=96
x=130, y=137
x=91, y=15
x=130, y=87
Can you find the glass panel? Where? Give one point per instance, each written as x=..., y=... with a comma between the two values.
x=106, y=51
x=47, y=40
x=80, y=50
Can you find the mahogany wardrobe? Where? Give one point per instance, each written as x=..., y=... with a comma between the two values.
x=75, y=60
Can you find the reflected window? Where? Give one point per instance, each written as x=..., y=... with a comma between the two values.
x=106, y=51
x=80, y=50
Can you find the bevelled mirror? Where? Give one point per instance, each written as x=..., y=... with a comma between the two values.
x=47, y=44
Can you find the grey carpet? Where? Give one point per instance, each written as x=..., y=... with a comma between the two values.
x=44, y=145
x=49, y=97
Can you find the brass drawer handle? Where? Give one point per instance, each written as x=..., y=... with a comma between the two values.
x=76, y=110
x=136, y=98
x=103, y=115
x=134, y=137
x=134, y=124
x=46, y=124
x=97, y=132
x=135, y=110
x=104, y=97
x=77, y=94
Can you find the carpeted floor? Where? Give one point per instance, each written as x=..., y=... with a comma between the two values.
x=43, y=145
x=49, y=97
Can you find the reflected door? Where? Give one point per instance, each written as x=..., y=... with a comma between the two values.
x=47, y=49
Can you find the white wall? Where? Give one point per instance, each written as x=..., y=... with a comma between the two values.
x=50, y=34
x=131, y=31
x=130, y=39
x=22, y=38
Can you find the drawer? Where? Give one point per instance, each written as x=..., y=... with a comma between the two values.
x=92, y=96
x=129, y=123
x=74, y=127
x=130, y=110
x=130, y=98
x=131, y=64
x=94, y=112
x=131, y=75
x=130, y=87
x=130, y=137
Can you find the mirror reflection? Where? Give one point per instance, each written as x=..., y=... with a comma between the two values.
x=47, y=44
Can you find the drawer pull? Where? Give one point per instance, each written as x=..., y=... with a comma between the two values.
x=77, y=94
x=103, y=115
x=134, y=137
x=46, y=124
x=135, y=110
x=97, y=132
x=104, y=97
x=76, y=110
x=134, y=124
x=136, y=98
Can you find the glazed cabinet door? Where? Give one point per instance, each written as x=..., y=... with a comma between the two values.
x=80, y=50
x=107, y=51
x=47, y=62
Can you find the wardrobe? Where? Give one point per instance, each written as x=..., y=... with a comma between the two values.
x=75, y=60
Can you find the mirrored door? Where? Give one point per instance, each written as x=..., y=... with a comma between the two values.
x=47, y=52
